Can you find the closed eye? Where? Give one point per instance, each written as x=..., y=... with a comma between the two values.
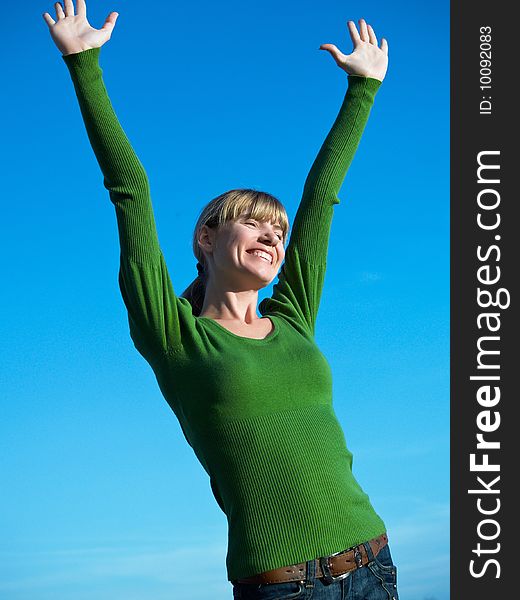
x=254, y=223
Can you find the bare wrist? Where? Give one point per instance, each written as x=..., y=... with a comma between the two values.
x=76, y=49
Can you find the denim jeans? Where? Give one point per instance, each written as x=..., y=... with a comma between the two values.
x=377, y=580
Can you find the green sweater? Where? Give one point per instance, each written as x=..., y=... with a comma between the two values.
x=258, y=413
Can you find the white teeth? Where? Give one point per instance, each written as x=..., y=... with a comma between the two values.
x=267, y=257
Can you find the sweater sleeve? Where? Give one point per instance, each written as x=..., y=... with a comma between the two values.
x=143, y=277
x=297, y=293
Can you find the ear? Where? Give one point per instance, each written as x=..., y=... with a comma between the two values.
x=206, y=238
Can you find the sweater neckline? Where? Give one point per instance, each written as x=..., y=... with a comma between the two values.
x=271, y=335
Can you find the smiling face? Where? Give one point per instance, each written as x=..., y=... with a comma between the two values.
x=245, y=253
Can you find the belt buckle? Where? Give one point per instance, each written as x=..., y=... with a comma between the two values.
x=325, y=568
x=358, y=557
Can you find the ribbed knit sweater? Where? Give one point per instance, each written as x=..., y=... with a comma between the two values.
x=258, y=413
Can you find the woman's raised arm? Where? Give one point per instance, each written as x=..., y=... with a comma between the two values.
x=143, y=278
x=298, y=291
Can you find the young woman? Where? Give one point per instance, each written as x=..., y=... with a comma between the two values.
x=253, y=394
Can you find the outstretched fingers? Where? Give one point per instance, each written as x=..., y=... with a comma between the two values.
x=59, y=11
x=384, y=46
x=81, y=8
x=334, y=51
x=110, y=21
x=354, y=35
x=363, y=30
x=69, y=8
x=366, y=33
x=48, y=19
x=372, y=35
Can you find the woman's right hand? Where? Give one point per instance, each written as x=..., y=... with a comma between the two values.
x=72, y=33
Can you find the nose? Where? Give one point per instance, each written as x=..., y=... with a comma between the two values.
x=269, y=237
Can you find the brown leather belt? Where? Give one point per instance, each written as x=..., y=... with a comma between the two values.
x=333, y=567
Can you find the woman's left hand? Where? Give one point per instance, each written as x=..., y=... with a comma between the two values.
x=367, y=59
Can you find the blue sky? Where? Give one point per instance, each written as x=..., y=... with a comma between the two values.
x=102, y=498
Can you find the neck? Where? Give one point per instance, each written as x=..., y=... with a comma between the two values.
x=228, y=305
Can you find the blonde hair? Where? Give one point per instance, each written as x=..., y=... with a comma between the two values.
x=229, y=206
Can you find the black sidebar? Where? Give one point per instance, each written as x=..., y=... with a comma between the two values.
x=485, y=257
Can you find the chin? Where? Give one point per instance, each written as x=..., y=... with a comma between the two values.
x=261, y=279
